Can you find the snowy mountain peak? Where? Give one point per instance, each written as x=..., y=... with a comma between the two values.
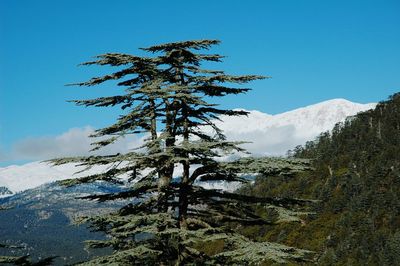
x=335, y=101
x=276, y=134
x=322, y=116
x=340, y=107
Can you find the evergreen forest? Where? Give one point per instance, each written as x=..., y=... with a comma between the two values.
x=356, y=178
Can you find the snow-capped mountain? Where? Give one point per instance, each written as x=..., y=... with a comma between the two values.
x=18, y=178
x=268, y=134
x=276, y=134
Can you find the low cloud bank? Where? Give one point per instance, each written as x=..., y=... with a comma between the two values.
x=74, y=142
x=271, y=135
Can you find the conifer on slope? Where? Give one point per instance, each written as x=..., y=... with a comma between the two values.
x=166, y=97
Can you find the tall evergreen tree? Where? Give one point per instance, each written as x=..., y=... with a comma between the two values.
x=166, y=98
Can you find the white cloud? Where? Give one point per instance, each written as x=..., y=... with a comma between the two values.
x=74, y=142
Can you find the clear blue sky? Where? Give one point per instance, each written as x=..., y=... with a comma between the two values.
x=314, y=50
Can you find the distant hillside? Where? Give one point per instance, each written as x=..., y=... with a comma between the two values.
x=40, y=222
x=357, y=179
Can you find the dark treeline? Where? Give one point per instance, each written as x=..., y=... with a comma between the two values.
x=356, y=177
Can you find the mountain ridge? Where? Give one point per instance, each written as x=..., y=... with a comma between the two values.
x=270, y=135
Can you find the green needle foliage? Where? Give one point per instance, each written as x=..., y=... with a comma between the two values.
x=24, y=261
x=167, y=99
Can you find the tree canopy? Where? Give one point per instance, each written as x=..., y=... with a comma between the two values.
x=167, y=97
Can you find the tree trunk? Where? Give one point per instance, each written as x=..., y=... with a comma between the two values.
x=167, y=166
x=184, y=187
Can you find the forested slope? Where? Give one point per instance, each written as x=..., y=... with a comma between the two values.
x=357, y=180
